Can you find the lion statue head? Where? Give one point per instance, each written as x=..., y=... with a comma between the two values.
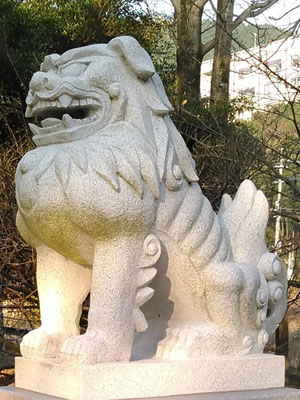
x=97, y=90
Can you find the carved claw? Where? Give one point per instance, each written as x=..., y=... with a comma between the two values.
x=94, y=347
x=194, y=341
x=178, y=344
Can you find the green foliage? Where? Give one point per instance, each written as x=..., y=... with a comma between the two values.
x=33, y=28
x=163, y=54
x=30, y=29
x=224, y=152
x=277, y=130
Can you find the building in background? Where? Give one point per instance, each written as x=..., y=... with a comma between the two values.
x=265, y=75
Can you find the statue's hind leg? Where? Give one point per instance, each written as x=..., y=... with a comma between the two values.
x=231, y=304
x=62, y=287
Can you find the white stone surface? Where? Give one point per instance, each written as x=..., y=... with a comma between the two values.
x=150, y=378
x=110, y=200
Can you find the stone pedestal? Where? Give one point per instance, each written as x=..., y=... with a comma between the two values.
x=12, y=393
x=151, y=378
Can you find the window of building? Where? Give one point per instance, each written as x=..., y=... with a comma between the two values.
x=296, y=61
x=244, y=72
x=250, y=91
x=275, y=65
x=296, y=81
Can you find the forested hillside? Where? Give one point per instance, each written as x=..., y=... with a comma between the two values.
x=245, y=36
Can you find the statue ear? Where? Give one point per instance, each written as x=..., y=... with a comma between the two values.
x=137, y=58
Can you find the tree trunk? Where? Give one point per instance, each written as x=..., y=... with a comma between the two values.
x=219, y=95
x=189, y=50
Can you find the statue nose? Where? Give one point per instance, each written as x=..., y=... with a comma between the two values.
x=42, y=80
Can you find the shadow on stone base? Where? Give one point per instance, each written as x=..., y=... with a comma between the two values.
x=12, y=393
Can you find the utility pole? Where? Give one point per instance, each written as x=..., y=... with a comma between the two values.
x=277, y=208
x=282, y=332
x=255, y=39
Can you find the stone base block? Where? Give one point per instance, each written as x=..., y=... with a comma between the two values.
x=150, y=378
x=12, y=393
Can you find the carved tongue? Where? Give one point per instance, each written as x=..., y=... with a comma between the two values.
x=50, y=122
x=68, y=121
x=65, y=100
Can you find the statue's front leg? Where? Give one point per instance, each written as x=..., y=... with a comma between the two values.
x=109, y=335
x=62, y=287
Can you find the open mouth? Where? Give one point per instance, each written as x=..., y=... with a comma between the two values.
x=65, y=113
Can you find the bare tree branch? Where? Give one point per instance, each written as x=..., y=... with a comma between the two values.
x=208, y=46
x=285, y=14
x=255, y=9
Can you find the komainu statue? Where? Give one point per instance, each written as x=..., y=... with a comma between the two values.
x=110, y=201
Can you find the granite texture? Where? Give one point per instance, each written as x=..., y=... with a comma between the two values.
x=150, y=378
x=110, y=200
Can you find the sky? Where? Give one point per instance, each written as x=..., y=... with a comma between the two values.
x=281, y=14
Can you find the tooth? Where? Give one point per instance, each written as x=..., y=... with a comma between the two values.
x=83, y=102
x=68, y=121
x=75, y=102
x=34, y=129
x=29, y=99
x=89, y=101
x=28, y=112
x=65, y=100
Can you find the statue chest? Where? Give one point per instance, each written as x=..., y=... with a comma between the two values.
x=58, y=199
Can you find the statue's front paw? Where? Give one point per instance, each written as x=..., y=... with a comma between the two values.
x=40, y=344
x=94, y=347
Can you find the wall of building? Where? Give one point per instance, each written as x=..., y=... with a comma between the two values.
x=260, y=73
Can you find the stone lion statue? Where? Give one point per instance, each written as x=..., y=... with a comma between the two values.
x=110, y=201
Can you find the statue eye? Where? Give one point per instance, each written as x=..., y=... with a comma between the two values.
x=74, y=69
